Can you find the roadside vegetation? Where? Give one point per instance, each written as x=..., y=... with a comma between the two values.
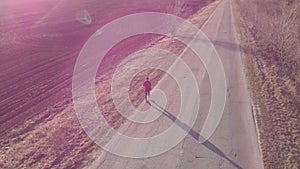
x=270, y=41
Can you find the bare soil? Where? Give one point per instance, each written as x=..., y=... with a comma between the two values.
x=39, y=127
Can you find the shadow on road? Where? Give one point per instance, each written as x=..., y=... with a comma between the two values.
x=221, y=44
x=192, y=132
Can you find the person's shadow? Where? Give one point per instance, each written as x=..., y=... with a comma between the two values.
x=191, y=132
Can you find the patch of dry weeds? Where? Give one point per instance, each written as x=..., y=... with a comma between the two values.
x=271, y=58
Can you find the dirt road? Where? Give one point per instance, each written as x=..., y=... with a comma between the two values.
x=233, y=144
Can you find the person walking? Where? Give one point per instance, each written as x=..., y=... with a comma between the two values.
x=147, y=86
